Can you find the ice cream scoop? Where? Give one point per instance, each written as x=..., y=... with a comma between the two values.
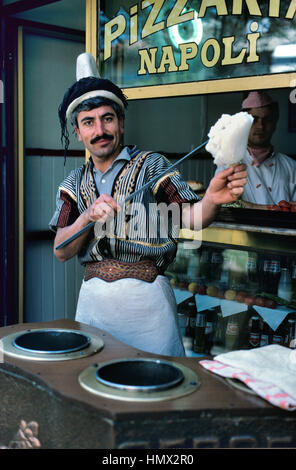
x=228, y=138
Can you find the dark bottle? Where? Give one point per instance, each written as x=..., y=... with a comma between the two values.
x=191, y=317
x=232, y=333
x=216, y=266
x=265, y=337
x=211, y=320
x=269, y=273
x=278, y=336
x=255, y=332
x=293, y=278
x=252, y=276
x=274, y=276
x=291, y=337
x=199, y=333
x=204, y=265
x=220, y=327
x=252, y=267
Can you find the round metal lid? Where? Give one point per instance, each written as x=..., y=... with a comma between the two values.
x=51, y=344
x=139, y=374
x=180, y=383
x=51, y=341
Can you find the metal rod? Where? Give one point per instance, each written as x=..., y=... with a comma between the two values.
x=131, y=196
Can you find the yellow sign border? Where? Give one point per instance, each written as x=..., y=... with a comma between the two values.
x=283, y=80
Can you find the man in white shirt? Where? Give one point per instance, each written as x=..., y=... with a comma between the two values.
x=271, y=174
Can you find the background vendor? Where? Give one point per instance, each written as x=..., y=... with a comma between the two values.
x=271, y=174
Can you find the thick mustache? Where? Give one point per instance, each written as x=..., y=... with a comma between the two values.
x=101, y=137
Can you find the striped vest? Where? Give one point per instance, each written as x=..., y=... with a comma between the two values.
x=145, y=229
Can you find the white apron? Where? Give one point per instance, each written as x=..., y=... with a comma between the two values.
x=138, y=313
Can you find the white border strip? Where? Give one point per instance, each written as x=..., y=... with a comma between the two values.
x=93, y=94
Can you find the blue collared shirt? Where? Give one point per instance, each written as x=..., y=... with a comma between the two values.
x=104, y=181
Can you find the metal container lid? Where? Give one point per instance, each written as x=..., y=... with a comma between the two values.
x=139, y=380
x=51, y=341
x=144, y=375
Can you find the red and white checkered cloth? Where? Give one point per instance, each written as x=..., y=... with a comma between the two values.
x=269, y=371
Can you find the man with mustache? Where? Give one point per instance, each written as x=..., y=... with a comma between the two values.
x=124, y=290
x=271, y=174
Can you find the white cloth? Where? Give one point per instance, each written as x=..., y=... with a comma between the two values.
x=138, y=313
x=273, y=181
x=269, y=371
x=273, y=364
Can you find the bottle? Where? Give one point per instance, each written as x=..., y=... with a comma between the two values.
x=187, y=343
x=255, y=332
x=205, y=265
x=220, y=327
x=191, y=317
x=216, y=266
x=274, y=275
x=243, y=319
x=291, y=341
x=252, y=272
x=285, y=285
x=180, y=263
x=224, y=278
x=182, y=322
x=232, y=333
x=211, y=316
x=260, y=272
x=224, y=275
x=265, y=335
x=199, y=333
x=271, y=274
x=293, y=281
x=235, y=271
x=266, y=270
x=193, y=267
x=278, y=336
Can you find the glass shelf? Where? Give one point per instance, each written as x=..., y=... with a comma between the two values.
x=234, y=285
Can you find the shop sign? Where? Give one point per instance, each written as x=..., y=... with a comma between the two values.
x=152, y=42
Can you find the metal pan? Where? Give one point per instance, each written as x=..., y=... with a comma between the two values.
x=51, y=344
x=51, y=341
x=139, y=374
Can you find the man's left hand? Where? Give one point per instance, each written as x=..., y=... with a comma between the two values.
x=227, y=185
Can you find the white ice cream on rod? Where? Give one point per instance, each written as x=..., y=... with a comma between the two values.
x=228, y=138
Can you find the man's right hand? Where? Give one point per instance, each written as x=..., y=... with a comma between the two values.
x=104, y=208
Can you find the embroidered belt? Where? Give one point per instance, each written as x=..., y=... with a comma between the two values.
x=111, y=270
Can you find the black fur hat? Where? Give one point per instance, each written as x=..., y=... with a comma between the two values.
x=89, y=86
